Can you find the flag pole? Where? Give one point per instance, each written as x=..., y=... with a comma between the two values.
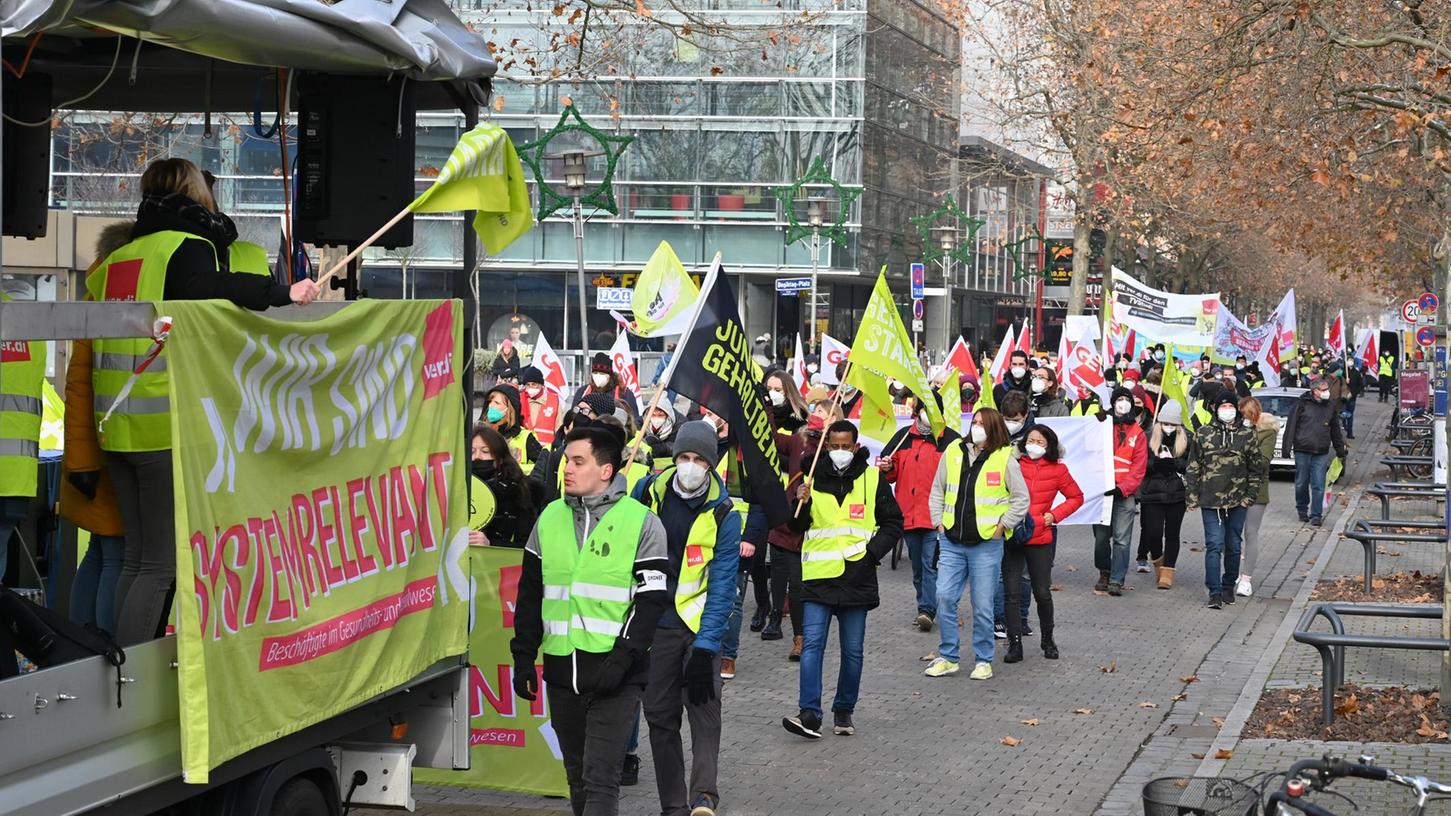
x=372, y=239
x=821, y=443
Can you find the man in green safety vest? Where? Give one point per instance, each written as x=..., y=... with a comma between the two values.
x=1387, y=374
x=850, y=521
x=593, y=586
x=703, y=538
x=22, y=377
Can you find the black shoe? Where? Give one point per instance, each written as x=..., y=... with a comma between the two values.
x=1050, y=649
x=1304, y=517
x=758, y=620
x=841, y=724
x=1000, y=631
x=1227, y=597
x=805, y=724
x=1316, y=521
x=1027, y=630
x=1115, y=589
x=1015, y=649
x=630, y=772
x=1215, y=602
x=773, y=628
x=1102, y=585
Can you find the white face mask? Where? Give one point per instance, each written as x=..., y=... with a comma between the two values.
x=979, y=435
x=1122, y=407
x=690, y=476
x=1159, y=356
x=1039, y=386
x=1018, y=372
x=840, y=459
x=600, y=380
x=811, y=367
x=1227, y=414
x=1014, y=425
x=896, y=385
x=533, y=390
x=924, y=425
x=660, y=426
x=777, y=398
x=1169, y=429
x=1035, y=451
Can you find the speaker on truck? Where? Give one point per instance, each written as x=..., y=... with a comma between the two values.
x=25, y=164
x=355, y=158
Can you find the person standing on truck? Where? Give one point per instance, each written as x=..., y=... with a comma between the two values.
x=593, y=586
x=703, y=536
x=179, y=250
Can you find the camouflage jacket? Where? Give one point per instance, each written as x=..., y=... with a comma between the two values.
x=1226, y=465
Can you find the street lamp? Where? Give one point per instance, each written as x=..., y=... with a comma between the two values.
x=574, y=161
x=947, y=240
x=815, y=218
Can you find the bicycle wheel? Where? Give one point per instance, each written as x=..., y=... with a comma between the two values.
x=1421, y=447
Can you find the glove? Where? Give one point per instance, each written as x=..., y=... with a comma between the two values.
x=526, y=682
x=612, y=671
x=700, y=674
x=1113, y=493
x=86, y=482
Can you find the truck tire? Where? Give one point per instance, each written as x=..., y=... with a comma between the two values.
x=301, y=797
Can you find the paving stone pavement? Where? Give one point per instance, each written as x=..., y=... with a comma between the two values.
x=934, y=745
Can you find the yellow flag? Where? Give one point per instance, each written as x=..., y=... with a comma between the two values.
x=1173, y=383
x=483, y=174
x=883, y=352
x=664, y=295
x=951, y=392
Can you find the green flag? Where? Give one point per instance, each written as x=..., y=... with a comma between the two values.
x=1174, y=386
x=883, y=352
x=951, y=392
x=483, y=174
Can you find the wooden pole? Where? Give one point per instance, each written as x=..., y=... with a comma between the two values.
x=340, y=265
x=821, y=443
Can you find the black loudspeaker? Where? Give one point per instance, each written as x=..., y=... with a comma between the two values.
x=25, y=164
x=355, y=159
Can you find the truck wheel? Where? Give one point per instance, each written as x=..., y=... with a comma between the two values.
x=301, y=797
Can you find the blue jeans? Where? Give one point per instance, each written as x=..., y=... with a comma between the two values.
x=1310, y=470
x=1223, y=539
x=1347, y=416
x=922, y=550
x=93, y=593
x=1000, y=599
x=851, y=624
x=957, y=565
x=1111, y=541
x=730, y=643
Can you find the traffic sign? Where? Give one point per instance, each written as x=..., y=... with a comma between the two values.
x=917, y=309
x=917, y=325
x=1426, y=336
x=919, y=280
x=789, y=286
x=1428, y=303
x=1410, y=311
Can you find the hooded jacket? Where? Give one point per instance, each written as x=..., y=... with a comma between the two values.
x=1314, y=427
x=510, y=432
x=1130, y=446
x=579, y=670
x=857, y=585
x=1164, y=475
x=200, y=268
x=914, y=466
x=1226, y=468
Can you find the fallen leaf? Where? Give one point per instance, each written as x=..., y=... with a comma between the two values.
x=1055, y=588
x=1348, y=706
x=1179, y=698
x=1084, y=711
x=1110, y=668
x=1011, y=742
x=1218, y=721
x=1032, y=722
x=1189, y=679
x=1148, y=704
x=1197, y=755
x=1223, y=753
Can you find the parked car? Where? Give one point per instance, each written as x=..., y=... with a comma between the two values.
x=1279, y=401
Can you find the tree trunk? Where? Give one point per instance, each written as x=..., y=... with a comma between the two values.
x=1078, y=285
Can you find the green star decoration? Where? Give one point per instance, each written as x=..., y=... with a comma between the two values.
x=1015, y=249
x=949, y=213
x=601, y=197
x=817, y=174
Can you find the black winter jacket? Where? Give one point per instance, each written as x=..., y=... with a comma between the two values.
x=1314, y=427
x=1164, y=478
x=200, y=268
x=857, y=586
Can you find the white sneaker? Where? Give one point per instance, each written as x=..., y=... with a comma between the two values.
x=1143, y=567
x=1242, y=587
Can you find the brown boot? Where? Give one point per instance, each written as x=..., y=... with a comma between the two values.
x=1166, y=577
x=1158, y=565
x=797, y=641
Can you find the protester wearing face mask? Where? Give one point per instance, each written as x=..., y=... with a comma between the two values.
x=656, y=442
x=1014, y=409
x=1047, y=397
x=503, y=410
x=541, y=405
x=1267, y=429
x=970, y=390
x=1312, y=433
x=603, y=380
x=1162, y=497
x=515, y=508
x=1130, y=459
x=910, y=463
x=1047, y=479
x=1290, y=375
x=1016, y=378
x=978, y=497
x=1223, y=479
x=850, y=396
x=1154, y=356
x=850, y=522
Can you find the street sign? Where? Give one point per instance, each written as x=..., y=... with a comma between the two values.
x=919, y=280
x=917, y=324
x=790, y=286
x=917, y=309
x=1410, y=311
x=1426, y=336
x=1428, y=302
x=613, y=297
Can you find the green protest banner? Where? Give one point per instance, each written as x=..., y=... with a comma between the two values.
x=321, y=531
x=512, y=745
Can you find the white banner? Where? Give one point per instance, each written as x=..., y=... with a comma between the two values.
x=1163, y=317
x=1285, y=316
x=1086, y=446
x=833, y=351
x=623, y=362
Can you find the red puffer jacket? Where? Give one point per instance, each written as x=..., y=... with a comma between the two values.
x=914, y=467
x=1046, y=480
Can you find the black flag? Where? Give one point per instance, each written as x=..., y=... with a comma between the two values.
x=713, y=366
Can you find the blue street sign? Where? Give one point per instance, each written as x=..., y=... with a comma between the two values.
x=1426, y=336
x=917, y=309
x=787, y=286
x=919, y=280
x=1428, y=302
x=1438, y=381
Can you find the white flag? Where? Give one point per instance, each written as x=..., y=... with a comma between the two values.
x=833, y=351
x=549, y=365
x=624, y=365
x=798, y=369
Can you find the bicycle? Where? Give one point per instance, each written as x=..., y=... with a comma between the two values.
x=1316, y=775
x=1420, y=424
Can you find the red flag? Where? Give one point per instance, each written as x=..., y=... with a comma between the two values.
x=1336, y=341
x=1024, y=341
x=1000, y=362
x=960, y=358
x=1367, y=352
x=799, y=376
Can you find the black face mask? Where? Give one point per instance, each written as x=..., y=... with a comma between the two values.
x=482, y=468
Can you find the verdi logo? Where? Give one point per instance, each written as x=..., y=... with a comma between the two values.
x=437, y=350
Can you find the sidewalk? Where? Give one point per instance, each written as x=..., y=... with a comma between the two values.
x=928, y=746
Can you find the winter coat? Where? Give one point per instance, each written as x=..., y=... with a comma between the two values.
x=200, y=268
x=514, y=511
x=1314, y=427
x=1164, y=475
x=914, y=465
x=1010, y=383
x=1046, y=481
x=1130, y=454
x=857, y=585
x=782, y=535
x=506, y=368
x=1049, y=404
x=1225, y=467
x=1267, y=431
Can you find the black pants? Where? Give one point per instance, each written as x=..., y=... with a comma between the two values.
x=1387, y=382
x=143, y=592
x=665, y=701
x=761, y=579
x=786, y=584
x=1038, y=559
x=1159, y=530
x=593, y=730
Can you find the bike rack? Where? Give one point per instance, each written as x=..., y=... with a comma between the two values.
x=1398, y=463
x=1369, y=534
x=1385, y=491
x=1331, y=645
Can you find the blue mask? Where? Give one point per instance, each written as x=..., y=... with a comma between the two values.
x=494, y=414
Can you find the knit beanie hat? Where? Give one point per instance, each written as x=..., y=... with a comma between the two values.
x=531, y=376
x=697, y=437
x=1171, y=413
x=602, y=405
